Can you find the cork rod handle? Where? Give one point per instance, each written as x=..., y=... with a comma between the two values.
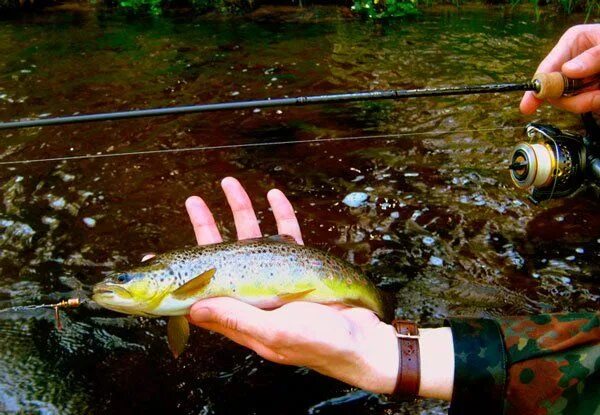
x=556, y=84
x=549, y=85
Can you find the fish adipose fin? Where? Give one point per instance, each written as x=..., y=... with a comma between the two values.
x=273, y=238
x=194, y=286
x=294, y=296
x=178, y=333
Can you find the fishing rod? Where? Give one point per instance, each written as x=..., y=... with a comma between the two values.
x=545, y=85
x=557, y=165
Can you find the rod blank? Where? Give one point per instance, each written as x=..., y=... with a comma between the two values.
x=277, y=102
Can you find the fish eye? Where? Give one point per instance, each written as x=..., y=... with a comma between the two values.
x=123, y=278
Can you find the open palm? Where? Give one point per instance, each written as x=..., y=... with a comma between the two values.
x=349, y=344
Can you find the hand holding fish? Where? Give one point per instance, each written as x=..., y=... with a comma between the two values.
x=577, y=55
x=348, y=343
x=290, y=303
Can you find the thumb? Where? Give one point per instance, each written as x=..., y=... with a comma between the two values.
x=233, y=315
x=583, y=65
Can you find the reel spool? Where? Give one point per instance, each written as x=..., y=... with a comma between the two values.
x=552, y=165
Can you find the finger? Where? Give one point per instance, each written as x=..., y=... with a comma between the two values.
x=552, y=62
x=244, y=340
x=234, y=315
x=287, y=224
x=244, y=217
x=555, y=59
x=585, y=64
x=203, y=222
x=529, y=103
x=560, y=53
x=585, y=102
x=146, y=257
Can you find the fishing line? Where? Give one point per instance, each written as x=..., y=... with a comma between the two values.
x=245, y=145
x=69, y=303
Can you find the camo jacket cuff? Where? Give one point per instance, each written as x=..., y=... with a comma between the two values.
x=480, y=367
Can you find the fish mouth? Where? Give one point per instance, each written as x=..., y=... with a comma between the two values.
x=108, y=289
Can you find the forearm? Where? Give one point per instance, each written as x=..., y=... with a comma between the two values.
x=490, y=364
x=437, y=363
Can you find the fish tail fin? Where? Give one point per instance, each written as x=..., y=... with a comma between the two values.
x=387, y=310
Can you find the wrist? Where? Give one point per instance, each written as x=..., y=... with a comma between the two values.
x=379, y=360
x=374, y=362
x=436, y=348
x=379, y=357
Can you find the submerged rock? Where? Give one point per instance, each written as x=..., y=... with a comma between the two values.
x=89, y=222
x=436, y=261
x=428, y=240
x=355, y=199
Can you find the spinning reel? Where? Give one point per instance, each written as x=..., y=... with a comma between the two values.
x=556, y=163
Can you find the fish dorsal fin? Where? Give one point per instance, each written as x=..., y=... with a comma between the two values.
x=178, y=333
x=294, y=295
x=283, y=238
x=194, y=286
x=273, y=238
x=152, y=264
x=250, y=240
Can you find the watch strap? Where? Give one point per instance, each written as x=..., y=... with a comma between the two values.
x=409, y=368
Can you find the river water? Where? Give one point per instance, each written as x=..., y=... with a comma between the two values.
x=442, y=228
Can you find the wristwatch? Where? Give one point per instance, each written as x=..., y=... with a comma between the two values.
x=409, y=368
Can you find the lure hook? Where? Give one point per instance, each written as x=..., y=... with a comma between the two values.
x=69, y=303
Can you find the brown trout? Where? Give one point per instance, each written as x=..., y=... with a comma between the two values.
x=265, y=272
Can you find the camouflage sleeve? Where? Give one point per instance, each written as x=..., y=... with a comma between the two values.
x=554, y=364
x=479, y=367
x=538, y=365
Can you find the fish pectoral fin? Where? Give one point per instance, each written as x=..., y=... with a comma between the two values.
x=194, y=286
x=178, y=333
x=295, y=295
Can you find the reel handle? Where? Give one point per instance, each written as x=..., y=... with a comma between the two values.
x=556, y=84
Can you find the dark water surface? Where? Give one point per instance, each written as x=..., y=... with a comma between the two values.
x=443, y=227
